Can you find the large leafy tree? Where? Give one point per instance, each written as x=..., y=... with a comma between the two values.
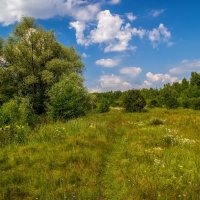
x=35, y=61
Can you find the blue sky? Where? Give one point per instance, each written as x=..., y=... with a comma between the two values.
x=124, y=44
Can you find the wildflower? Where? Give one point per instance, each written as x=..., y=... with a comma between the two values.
x=157, y=161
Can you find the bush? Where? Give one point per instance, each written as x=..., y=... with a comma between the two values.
x=171, y=102
x=153, y=103
x=15, y=118
x=133, y=101
x=104, y=106
x=168, y=97
x=155, y=122
x=185, y=102
x=17, y=111
x=68, y=98
x=195, y=103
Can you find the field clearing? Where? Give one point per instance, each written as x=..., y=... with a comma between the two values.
x=111, y=156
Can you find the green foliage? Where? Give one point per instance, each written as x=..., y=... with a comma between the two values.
x=185, y=102
x=1, y=46
x=17, y=111
x=133, y=101
x=153, y=103
x=35, y=62
x=168, y=97
x=195, y=103
x=104, y=106
x=15, y=118
x=68, y=98
x=195, y=79
x=113, y=97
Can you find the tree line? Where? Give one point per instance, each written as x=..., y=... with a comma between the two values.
x=185, y=94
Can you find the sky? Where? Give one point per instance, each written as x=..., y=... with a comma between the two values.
x=124, y=44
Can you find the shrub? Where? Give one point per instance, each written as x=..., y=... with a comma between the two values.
x=69, y=98
x=15, y=118
x=168, y=97
x=171, y=102
x=104, y=106
x=195, y=103
x=133, y=101
x=153, y=103
x=169, y=140
x=155, y=122
x=185, y=102
x=17, y=111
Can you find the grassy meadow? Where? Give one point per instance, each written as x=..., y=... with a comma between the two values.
x=111, y=156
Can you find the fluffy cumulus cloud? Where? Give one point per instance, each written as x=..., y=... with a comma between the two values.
x=131, y=17
x=80, y=28
x=186, y=66
x=160, y=34
x=111, y=31
x=108, y=62
x=160, y=78
x=113, y=82
x=131, y=71
x=13, y=10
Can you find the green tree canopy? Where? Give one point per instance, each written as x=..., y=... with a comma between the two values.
x=35, y=62
x=133, y=101
x=69, y=98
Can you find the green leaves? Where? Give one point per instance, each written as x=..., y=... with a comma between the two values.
x=134, y=101
x=35, y=62
x=68, y=98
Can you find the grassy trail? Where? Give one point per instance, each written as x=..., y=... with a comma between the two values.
x=112, y=156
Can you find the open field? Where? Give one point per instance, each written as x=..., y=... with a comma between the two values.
x=111, y=156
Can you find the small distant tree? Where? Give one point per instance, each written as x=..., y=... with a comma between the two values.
x=104, y=106
x=195, y=79
x=133, y=101
x=69, y=98
x=168, y=97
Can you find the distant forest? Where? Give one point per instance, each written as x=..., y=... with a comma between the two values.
x=185, y=94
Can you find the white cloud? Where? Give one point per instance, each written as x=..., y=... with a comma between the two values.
x=147, y=84
x=157, y=13
x=186, y=66
x=95, y=90
x=131, y=17
x=13, y=10
x=131, y=71
x=160, y=78
x=84, y=55
x=115, y=1
x=139, y=32
x=108, y=62
x=114, y=82
x=112, y=31
x=160, y=34
x=114, y=34
x=80, y=28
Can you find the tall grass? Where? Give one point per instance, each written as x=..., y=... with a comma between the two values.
x=115, y=155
